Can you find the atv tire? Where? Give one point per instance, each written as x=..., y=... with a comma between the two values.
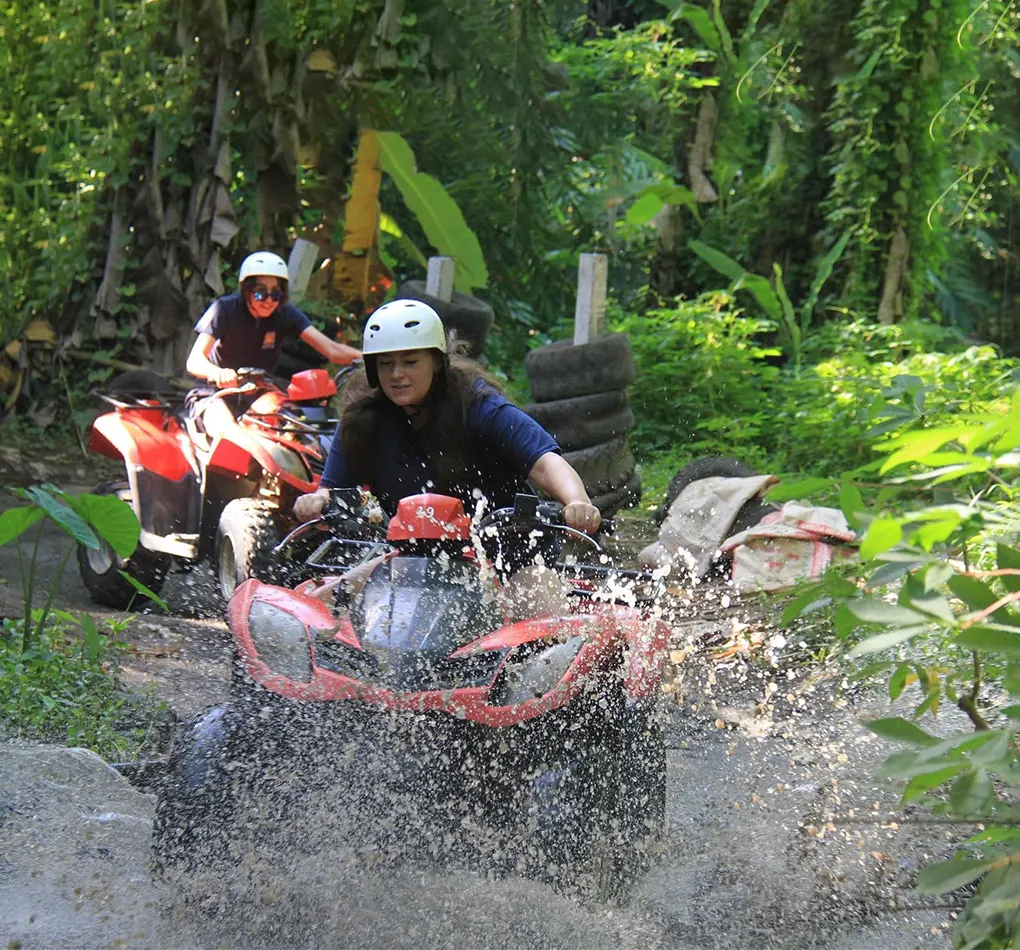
x=197, y=803
x=100, y=569
x=632, y=813
x=469, y=318
x=245, y=538
x=715, y=467
x=232, y=781
x=562, y=370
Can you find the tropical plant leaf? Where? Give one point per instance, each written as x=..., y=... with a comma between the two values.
x=823, y=273
x=900, y=730
x=916, y=446
x=883, y=641
x=725, y=265
x=16, y=521
x=113, y=519
x=953, y=745
x=931, y=776
x=699, y=18
x=436, y=211
x=762, y=291
x=882, y=534
x=798, y=488
x=646, y=207
x=809, y=596
x=1008, y=558
x=991, y=639
x=977, y=595
x=880, y=611
x=145, y=592
x=902, y=677
x=850, y=502
x=933, y=604
x=937, y=575
x=784, y=299
x=949, y=875
x=65, y=517
x=93, y=643
x=724, y=33
x=971, y=793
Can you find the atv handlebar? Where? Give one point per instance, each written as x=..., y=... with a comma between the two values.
x=528, y=510
x=528, y=506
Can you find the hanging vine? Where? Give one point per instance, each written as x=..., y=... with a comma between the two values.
x=886, y=168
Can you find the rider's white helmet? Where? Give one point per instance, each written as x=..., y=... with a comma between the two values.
x=401, y=325
x=263, y=264
x=404, y=325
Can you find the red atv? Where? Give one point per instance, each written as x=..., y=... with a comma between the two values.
x=539, y=736
x=229, y=498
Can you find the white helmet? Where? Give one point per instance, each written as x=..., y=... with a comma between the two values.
x=401, y=325
x=263, y=264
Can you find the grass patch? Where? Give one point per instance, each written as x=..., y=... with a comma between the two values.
x=67, y=691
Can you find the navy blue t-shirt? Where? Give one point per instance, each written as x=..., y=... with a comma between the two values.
x=244, y=340
x=502, y=444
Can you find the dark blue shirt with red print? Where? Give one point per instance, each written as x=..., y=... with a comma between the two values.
x=501, y=446
x=244, y=340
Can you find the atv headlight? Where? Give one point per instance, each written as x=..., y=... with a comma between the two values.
x=281, y=641
x=288, y=460
x=535, y=674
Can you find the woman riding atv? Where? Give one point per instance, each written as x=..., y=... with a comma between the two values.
x=247, y=329
x=419, y=419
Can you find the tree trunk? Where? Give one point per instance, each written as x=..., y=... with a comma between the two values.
x=891, y=305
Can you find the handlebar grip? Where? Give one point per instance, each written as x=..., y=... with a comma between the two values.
x=550, y=511
x=343, y=501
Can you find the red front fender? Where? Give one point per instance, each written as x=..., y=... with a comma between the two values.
x=147, y=438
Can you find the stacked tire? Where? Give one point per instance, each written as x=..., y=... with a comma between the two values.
x=580, y=398
x=469, y=318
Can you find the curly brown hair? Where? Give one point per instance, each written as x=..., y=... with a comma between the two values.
x=454, y=388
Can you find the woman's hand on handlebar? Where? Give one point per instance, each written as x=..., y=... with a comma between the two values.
x=225, y=378
x=582, y=516
x=310, y=507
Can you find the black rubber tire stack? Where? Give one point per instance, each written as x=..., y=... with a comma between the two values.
x=469, y=318
x=580, y=398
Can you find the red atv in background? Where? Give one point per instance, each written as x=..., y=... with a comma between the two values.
x=228, y=499
x=530, y=735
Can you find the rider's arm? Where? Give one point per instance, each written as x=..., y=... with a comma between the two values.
x=333, y=351
x=201, y=366
x=556, y=477
x=310, y=506
x=526, y=447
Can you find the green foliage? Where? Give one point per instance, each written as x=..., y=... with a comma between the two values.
x=88, y=520
x=773, y=298
x=701, y=395
x=436, y=211
x=57, y=676
x=64, y=688
x=708, y=384
x=77, y=92
x=938, y=615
